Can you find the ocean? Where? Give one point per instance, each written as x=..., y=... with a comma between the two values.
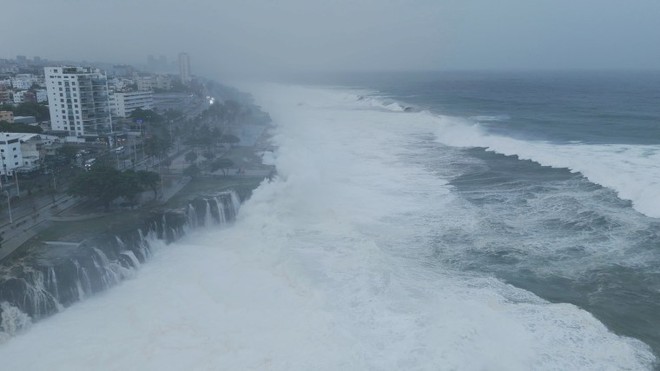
x=418, y=221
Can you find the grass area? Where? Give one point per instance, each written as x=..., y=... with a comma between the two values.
x=245, y=157
x=120, y=220
x=117, y=221
x=243, y=185
x=76, y=231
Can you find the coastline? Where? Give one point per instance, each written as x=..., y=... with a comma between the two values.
x=74, y=250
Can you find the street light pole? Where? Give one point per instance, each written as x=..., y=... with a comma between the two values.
x=18, y=189
x=11, y=220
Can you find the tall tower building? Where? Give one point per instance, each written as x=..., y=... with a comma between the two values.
x=78, y=100
x=184, y=68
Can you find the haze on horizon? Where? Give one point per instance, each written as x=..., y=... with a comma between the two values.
x=270, y=36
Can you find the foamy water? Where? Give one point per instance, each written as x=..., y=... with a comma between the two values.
x=633, y=171
x=327, y=267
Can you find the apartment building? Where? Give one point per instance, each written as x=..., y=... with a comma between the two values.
x=124, y=103
x=78, y=100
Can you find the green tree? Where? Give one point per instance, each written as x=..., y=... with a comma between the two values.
x=230, y=139
x=209, y=155
x=39, y=111
x=102, y=184
x=68, y=153
x=192, y=171
x=167, y=162
x=19, y=128
x=191, y=156
x=156, y=146
x=129, y=185
x=223, y=164
x=150, y=180
x=146, y=115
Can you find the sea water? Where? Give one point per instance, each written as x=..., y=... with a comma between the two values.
x=415, y=223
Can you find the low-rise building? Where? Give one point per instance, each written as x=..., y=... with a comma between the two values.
x=163, y=82
x=7, y=116
x=25, y=120
x=146, y=83
x=20, y=96
x=10, y=152
x=24, y=81
x=5, y=96
x=120, y=84
x=23, y=151
x=41, y=95
x=123, y=104
x=152, y=82
x=33, y=150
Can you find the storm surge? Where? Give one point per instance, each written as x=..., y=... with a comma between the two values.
x=329, y=266
x=629, y=169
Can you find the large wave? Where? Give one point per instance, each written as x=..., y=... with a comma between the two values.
x=633, y=171
x=327, y=267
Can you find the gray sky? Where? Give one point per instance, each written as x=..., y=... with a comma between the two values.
x=289, y=35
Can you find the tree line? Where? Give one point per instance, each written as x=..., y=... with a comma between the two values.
x=104, y=184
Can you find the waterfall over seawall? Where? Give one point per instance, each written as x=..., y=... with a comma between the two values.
x=51, y=278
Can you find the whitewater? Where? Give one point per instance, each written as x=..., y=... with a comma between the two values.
x=330, y=266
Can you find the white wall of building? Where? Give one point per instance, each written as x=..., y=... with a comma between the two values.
x=78, y=99
x=41, y=95
x=23, y=81
x=19, y=96
x=125, y=103
x=10, y=152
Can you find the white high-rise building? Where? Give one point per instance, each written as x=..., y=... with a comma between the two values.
x=184, y=68
x=78, y=100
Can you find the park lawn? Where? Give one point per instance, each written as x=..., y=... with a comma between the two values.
x=76, y=231
x=243, y=185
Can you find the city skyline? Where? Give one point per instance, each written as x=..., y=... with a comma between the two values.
x=258, y=37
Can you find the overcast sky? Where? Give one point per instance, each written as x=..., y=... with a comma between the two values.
x=286, y=35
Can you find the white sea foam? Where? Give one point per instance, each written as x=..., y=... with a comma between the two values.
x=484, y=118
x=326, y=268
x=633, y=171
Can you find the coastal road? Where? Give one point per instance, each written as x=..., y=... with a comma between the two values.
x=28, y=221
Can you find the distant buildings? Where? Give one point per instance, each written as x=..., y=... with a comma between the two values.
x=153, y=82
x=24, y=81
x=123, y=104
x=184, y=68
x=78, y=100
